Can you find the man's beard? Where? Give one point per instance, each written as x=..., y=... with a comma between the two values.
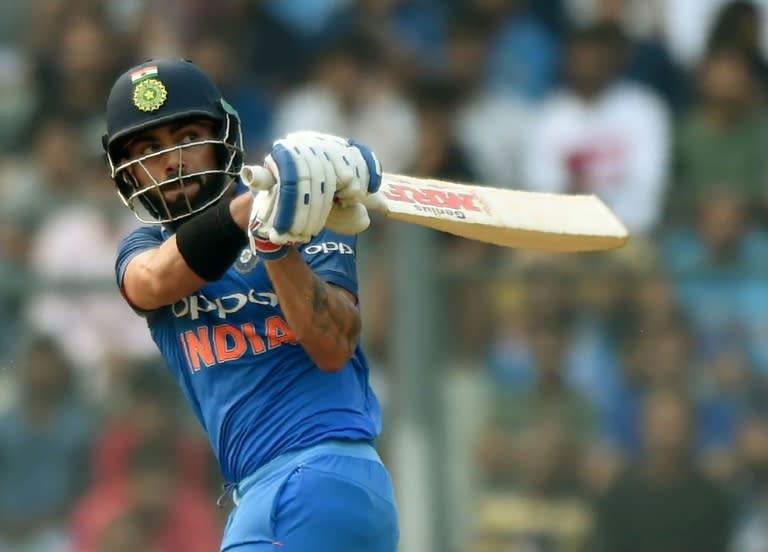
x=181, y=196
x=185, y=195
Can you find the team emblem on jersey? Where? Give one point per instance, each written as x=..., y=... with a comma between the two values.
x=246, y=261
x=149, y=94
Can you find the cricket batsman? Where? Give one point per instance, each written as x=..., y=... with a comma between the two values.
x=252, y=302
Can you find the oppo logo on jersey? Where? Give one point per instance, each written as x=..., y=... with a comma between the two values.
x=206, y=346
x=329, y=247
x=193, y=305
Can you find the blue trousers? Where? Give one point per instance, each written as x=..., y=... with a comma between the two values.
x=336, y=496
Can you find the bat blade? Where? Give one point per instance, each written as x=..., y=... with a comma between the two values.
x=510, y=218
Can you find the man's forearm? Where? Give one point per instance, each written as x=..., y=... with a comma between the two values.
x=323, y=318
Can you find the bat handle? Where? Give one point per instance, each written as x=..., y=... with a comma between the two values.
x=257, y=177
x=376, y=202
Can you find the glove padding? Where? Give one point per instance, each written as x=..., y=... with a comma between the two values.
x=306, y=183
x=358, y=170
x=263, y=239
x=320, y=181
x=348, y=219
x=358, y=173
x=291, y=205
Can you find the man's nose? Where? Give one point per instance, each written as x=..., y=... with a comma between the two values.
x=173, y=163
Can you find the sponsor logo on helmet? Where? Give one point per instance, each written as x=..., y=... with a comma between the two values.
x=149, y=95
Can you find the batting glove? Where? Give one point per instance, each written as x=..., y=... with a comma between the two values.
x=358, y=174
x=292, y=198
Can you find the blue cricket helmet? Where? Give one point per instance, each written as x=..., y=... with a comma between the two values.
x=155, y=93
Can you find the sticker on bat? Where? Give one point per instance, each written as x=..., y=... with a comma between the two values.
x=431, y=197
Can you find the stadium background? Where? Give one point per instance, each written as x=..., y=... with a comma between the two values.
x=533, y=402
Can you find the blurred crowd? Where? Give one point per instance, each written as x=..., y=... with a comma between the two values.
x=621, y=398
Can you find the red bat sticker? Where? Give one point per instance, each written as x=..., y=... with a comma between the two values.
x=433, y=197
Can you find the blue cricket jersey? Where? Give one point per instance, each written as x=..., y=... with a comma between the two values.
x=254, y=389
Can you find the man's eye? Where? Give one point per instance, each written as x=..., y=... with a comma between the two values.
x=149, y=149
x=189, y=137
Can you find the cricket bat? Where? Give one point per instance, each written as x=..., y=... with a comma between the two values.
x=510, y=218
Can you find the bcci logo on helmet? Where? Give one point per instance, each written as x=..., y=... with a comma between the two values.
x=149, y=95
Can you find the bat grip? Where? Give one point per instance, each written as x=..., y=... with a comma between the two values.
x=376, y=202
x=257, y=177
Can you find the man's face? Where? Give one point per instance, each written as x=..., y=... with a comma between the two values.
x=174, y=165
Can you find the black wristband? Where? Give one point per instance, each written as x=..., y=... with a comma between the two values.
x=211, y=241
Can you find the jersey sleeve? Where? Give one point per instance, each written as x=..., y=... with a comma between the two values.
x=141, y=239
x=333, y=257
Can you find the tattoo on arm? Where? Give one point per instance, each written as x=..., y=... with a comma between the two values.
x=332, y=313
